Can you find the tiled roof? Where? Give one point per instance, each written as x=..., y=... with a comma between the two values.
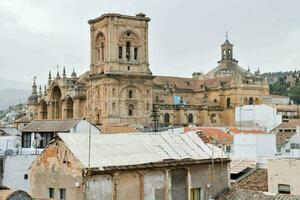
x=51, y=125
x=283, y=108
x=257, y=181
x=213, y=133
x=281, y=137
x=247, y=130
x=239, y=194
x=109, y=151
x=191, y=83
x=291, y=123
x=24, y=119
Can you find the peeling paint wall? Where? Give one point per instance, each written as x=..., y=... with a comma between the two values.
x=100, y=187
x=56, y=168
x=154, y=185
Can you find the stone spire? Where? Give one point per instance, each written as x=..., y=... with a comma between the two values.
x=57, y=74
x=34, y=91
x=64, y=72
x=45, y=90
x=40, y=91
x=73, y=75
x=49, y=78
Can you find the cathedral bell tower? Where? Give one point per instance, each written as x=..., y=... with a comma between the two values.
x=119, y=44
x=227, y=60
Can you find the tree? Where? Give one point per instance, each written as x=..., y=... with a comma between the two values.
x=294, y=94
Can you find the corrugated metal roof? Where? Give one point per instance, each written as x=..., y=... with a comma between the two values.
x=136, y=149
x=51, y=125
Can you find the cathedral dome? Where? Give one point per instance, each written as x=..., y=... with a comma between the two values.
x=32, y=99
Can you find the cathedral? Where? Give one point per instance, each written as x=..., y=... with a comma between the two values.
x=119, y=88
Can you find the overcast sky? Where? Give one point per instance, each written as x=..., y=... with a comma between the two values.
x=184, y=36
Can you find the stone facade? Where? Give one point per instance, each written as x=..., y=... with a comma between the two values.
x=119, y=88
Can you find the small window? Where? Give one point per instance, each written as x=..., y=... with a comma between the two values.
x=196, y=194
x=62, y=194
x=284, y=189
x=228, y=149
x=120, y=52
x=190, y=118
x=26, y=140
x=128, y=50
x=128, y=68
x=130, y=110
x=135, y=53
x=51, y=192
x=25, y=176
x=130, y=94
x=187, y=83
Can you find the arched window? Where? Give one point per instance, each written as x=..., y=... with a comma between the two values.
x=245, y=101
x=57, y=108
x=128, y=50
x=130, y=94
x=250, y=101
x=120, y=52
x=100, y=47
x=213, y=119
x=69, y=108
x=167, y=118
x=130, y=110
x=228, y=103
x=113, y=92
x=256, y=100
x=191, y=118
x=135, y=53
x=113, y=107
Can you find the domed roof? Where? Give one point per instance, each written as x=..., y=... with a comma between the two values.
x=32, y=98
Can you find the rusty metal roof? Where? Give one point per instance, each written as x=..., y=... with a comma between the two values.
x=113, y=151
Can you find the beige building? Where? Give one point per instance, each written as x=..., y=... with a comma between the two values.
x=283, y=176
x=181, y=167
x=119, y=87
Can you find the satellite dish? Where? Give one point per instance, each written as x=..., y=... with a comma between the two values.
x=17, y=143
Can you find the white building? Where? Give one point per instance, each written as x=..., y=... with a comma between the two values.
x=257, y=146
x=262, y=116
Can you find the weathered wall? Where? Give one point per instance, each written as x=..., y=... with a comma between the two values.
x=284, y=171
x=56, y=168
x=15, y=169
x=160, y=184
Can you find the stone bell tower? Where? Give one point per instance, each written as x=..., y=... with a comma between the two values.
x=119, y=44
x=120, y=84
x=227, y=60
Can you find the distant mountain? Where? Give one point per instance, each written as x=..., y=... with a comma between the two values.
x=10, y=97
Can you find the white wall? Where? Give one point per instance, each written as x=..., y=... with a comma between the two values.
x=254, y=146
x=7, y=143
x=258, y=115
x=15, y=167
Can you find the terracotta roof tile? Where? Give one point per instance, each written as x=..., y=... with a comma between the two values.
x=257, y=181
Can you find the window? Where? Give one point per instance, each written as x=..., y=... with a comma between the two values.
x=167, y=118
x=120, y=52
x=228, y=149
x=284, y=189
x=130, y=110
x=135, y=53
x=102, y=51
x=190, y=118
x=250, y=101
x=128, y=68
x=46, y=138
x=51, y=192
x=128, y=51
x=25, y=176
x=196, y=194
x=295, y=146
x=228, y=103
x=62, y=194
x=26, y=140
x=130, y=94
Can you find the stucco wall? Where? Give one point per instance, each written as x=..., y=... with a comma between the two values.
x=284, y=171
x=15, y=168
